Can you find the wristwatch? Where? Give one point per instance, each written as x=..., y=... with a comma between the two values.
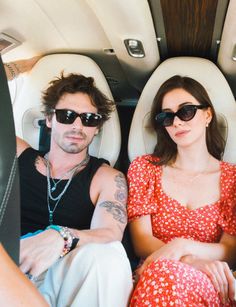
x=70, y=241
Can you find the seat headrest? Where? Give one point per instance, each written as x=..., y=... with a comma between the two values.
x=142, y=138
x=27, y=106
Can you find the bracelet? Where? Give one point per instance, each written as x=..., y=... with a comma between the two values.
x=70, y=241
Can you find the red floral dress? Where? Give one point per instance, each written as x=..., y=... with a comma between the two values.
x=168, y=282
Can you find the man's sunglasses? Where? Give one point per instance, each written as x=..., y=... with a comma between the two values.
x=185, y=113
x=67, y=117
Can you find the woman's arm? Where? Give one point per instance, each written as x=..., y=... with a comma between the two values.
x=142, y=237
x=180, y=247
x=145, y=244
x=225, y=250
x=151, y=248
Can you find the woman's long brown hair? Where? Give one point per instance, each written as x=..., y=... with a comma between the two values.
x=166, y=149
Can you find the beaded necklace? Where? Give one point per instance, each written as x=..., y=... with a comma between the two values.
x=51, y=189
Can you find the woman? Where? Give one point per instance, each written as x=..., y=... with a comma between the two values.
x=182, y=204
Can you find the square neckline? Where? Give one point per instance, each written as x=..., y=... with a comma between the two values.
x=173, y=200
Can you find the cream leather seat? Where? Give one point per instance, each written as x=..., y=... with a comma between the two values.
x=142, y=138
x=27, y=106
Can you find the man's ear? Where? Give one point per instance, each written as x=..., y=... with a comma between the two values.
x=96, y=132
x=48, y=122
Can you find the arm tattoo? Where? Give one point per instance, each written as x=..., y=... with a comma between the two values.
x=117, y=210
x=121, y=192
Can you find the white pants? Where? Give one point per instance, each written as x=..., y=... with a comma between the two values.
x=94, y=275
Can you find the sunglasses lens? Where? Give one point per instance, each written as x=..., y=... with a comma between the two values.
x=65, y=116
x=90, y=119
x=165, y=119
x=186, y=113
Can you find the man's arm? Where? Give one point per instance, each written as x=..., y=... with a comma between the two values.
x=14, y=69
x=110, y=215
x=15, y=289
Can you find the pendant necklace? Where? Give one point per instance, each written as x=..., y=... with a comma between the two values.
x=53, y=188
x=194, y=177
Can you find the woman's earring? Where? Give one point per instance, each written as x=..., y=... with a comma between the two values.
x=207, y=124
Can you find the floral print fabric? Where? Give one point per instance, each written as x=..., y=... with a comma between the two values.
x=166, y=282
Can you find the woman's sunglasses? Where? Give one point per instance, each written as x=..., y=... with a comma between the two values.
x=185, y=113
x=67, y=117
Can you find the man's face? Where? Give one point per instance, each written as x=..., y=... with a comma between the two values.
x=74, y=137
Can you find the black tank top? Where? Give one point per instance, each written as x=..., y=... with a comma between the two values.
x=74, y=210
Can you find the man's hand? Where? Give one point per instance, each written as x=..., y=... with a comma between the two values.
x=39, y=252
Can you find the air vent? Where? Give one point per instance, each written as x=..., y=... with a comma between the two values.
x=109, y=51
x=7, y=43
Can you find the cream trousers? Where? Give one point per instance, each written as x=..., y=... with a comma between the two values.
x=94, y=275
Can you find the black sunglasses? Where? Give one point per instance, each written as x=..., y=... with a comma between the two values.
x=185, y=113
x=67, y=117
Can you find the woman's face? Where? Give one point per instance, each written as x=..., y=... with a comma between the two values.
x=185, y=133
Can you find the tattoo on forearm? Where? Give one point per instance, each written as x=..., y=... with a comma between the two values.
x=117, y=210
x=121, y=192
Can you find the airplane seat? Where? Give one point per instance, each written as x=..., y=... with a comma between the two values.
x=142, y=138
x=29, y=121
x=9, y=179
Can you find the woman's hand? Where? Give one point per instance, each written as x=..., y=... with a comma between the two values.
x=175, y=250
x=219, y=273
x=39, y=252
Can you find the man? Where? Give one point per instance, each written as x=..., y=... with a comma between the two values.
x=73, y=206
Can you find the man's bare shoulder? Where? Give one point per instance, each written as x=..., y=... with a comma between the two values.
x=109, y=178
x=106, y=172
x=21, y=145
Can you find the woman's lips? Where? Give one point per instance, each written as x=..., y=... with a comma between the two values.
x=181, y=133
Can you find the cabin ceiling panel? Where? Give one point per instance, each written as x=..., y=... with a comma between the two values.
x=129, y=19
x=52, y=26
x=56, y=26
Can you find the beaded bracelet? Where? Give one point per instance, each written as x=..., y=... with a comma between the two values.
x=70, y=241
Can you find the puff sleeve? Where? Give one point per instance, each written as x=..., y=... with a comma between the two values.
x=142, y=181
x=227, y=220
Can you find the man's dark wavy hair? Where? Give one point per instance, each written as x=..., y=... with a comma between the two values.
x=74, y=83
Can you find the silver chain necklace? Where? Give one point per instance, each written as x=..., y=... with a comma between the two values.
x=50, y=189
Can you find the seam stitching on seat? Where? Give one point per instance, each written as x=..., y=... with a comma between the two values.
x=8, y=189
